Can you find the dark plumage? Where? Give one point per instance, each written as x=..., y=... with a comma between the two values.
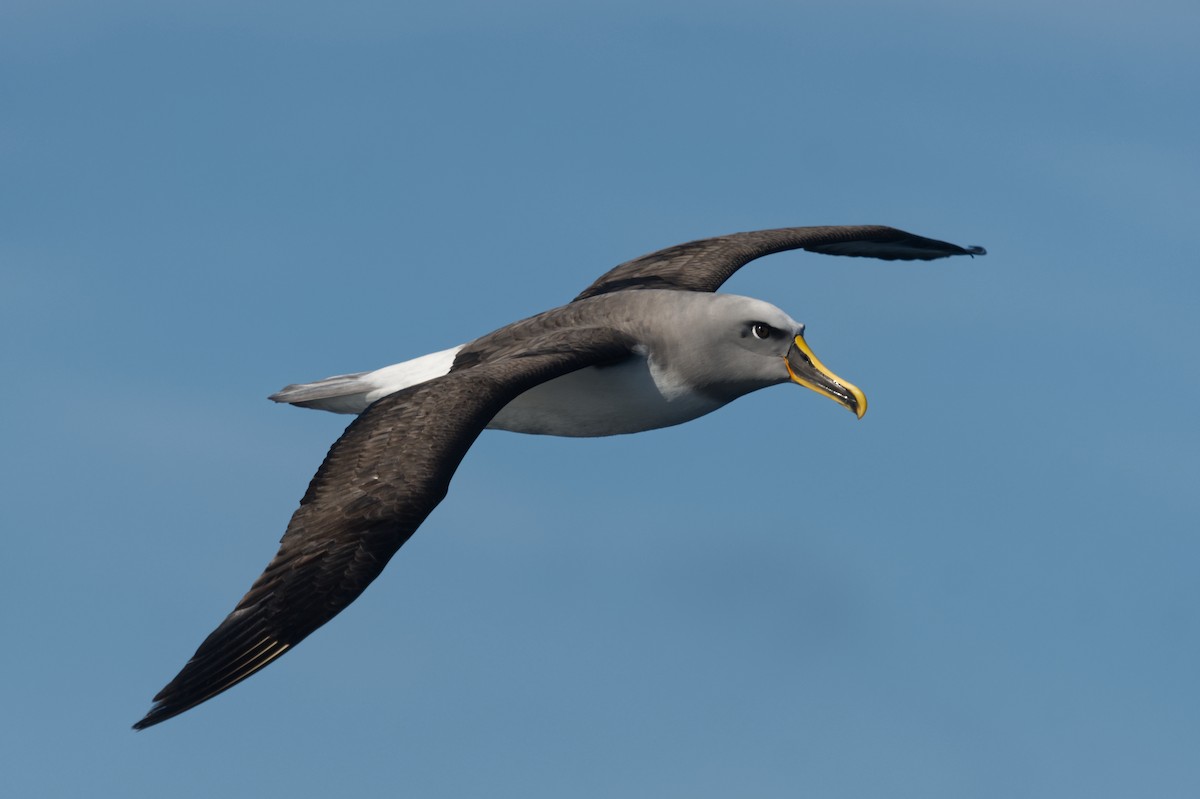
x=704, y=265
x=387, y=472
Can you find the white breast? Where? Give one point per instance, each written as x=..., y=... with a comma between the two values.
x=603, y=401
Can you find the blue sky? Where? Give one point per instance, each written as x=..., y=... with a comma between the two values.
x=986, y=588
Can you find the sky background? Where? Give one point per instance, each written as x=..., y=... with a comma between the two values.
x=985, y=588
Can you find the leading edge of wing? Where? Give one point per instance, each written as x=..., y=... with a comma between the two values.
x=705, y=264
x=383, y=476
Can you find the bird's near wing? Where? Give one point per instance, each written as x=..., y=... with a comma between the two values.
x=378, y=483
x=705, y=264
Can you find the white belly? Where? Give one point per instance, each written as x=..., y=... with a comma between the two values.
x=602, y=401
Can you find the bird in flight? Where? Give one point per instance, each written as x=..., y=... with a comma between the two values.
x=649, y=344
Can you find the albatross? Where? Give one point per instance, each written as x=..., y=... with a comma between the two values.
x=647, y=345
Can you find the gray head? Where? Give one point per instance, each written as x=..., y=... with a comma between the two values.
x=725, y=345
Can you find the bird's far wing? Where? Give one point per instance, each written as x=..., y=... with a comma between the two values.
x=705, y=264
x=379, y=481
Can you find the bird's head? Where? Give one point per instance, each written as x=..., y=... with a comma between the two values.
x=744, y=344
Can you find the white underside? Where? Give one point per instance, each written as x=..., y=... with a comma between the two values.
x=597, y=401
x=602, y=401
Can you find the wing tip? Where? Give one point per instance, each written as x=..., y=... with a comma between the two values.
x=179, y=697
x=149, y=720
x=159, y=712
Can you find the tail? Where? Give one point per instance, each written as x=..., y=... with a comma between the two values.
x=352, y=393
x=339, y=394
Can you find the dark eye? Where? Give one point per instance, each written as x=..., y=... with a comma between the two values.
x=762, y=330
